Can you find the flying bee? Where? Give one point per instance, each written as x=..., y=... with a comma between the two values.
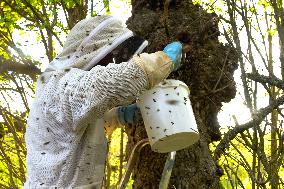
x=172, y=102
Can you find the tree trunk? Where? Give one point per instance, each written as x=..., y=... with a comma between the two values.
x=274, y=180
x=207, y=70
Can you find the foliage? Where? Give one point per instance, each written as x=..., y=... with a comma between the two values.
x=254, y=159
x=31, y=33
x=114, y=159
x=12, y=150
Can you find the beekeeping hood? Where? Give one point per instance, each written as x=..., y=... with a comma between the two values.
x=90, y=40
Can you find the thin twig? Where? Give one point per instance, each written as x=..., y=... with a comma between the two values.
x=257, y=119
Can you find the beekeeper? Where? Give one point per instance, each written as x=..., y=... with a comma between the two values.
x=76, y=98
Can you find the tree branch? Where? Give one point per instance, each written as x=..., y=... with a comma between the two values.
x=272, y=80
x=257, y=119
x=37, y=17
x=30, y=70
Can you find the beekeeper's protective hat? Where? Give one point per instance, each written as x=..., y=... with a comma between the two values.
x=90, y=40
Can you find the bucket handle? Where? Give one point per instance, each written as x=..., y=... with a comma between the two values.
x=132, y=161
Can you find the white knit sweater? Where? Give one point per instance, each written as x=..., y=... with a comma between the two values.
x=65, y=137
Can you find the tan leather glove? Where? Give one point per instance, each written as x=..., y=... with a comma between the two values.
x=157, y=66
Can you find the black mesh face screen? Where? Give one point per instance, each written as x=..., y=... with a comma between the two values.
x=123, y=52
x=126, y=50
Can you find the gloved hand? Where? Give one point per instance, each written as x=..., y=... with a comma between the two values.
x=128, y=114
x=174, y=51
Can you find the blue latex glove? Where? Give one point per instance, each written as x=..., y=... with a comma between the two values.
x=174, y=51
x=128, y=114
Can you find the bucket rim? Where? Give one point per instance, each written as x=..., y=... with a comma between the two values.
x=168, y=83
x=171, y=83
x=188, y=138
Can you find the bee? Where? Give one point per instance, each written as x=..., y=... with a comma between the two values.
x=46, y=143
x=42, y=79
x=172, y=102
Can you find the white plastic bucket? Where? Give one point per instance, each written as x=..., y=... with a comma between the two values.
x=168, y=116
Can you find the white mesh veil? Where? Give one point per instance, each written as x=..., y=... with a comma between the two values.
x=89, y=41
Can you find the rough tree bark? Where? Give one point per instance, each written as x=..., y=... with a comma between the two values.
x=208, y=71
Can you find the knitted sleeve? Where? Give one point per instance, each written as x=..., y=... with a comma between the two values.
x=100, y=89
